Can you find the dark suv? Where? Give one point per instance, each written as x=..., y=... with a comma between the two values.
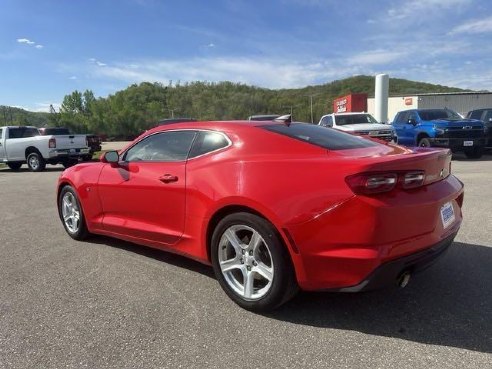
x=485, y=115
x=440, y=128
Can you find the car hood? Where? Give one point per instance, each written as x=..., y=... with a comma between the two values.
x=448, y=123
x=364, y=127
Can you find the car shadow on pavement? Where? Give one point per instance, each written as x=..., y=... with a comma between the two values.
x=160, y=255
x=449, y=304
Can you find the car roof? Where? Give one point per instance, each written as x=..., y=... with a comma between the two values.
x=348, y=113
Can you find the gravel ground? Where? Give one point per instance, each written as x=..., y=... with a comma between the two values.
x=111, y=304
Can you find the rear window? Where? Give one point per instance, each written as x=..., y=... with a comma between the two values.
x=342, y=120
x=56, y=131
x=23, y=132
x=327, y=138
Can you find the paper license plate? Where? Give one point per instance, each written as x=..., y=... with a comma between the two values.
x=447, y=214
x=467, y=143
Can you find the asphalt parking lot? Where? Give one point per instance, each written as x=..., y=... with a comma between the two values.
x=111, y=304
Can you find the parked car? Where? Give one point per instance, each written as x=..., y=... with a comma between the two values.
x=485, y=115
x=272, y=206
x=93, y=141
x=24, y=144
x=440, y=128
x=263, y=117
x=175, y=120
x=362, y=124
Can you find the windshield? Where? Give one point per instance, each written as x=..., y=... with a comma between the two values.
x=326, y=138
x=439, y=114
x=354, y=119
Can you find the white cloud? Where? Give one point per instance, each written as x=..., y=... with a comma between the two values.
x=259, y=72
x=73, y=78
x=422, y=8
x=376, y=57
x=39, y=46
x=44, y=107
x=97, y=62
x=25, y=41
x=474, y=26
x=211, y=45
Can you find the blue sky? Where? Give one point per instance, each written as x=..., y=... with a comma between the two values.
x=50, y=48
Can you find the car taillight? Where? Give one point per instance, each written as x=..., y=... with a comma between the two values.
x=373, y=183
x=368, y=183
x=413, y=179
x=52, y=143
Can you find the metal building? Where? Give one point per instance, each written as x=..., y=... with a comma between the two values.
x=461, y=102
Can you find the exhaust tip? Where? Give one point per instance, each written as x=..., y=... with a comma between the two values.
x=403, y=279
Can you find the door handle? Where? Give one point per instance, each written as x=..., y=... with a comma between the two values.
x=168, y=178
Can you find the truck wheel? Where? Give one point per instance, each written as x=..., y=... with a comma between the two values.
x=424, y=142
x=35, y=162
x=14, y=165
x=474, y=153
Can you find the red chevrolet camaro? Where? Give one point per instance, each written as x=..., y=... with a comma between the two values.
x=272, y=206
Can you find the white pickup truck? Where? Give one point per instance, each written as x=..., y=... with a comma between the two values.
x=362, y=124
x=23, y=144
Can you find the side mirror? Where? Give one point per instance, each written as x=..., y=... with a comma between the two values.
x=412, y=121
x=490, y=120
x=111, y=157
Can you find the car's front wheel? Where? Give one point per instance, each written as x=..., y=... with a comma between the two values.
x=71, y=214
x=251, y=262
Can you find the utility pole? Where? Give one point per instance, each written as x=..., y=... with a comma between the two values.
x=311, y=105
x=172, y=112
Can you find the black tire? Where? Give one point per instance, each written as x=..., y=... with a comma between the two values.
x=14, y=165
x=87, y=158
x=424, y=142
x=271, y=250
x=474, y=153
x=81, y=232
x=35, y=162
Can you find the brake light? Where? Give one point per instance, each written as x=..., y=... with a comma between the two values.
x=367, y=183
x=52, y=143
x=373, y=183
x=413, y=179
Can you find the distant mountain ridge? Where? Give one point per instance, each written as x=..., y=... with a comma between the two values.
x=140, y=106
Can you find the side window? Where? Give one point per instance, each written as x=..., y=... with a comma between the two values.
x=1, y=133
x=208, y=141
x=30, y=132
x=23, y=132
x=15, y=133
x=402, y=117
x=327, y=121
x=412, y=115
x=477, y=114
x=165, y=146
x=487, y=117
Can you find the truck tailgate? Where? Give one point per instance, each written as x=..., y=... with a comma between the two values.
x=70, y=142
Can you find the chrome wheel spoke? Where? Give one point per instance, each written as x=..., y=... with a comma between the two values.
x=265, y=271
x=255, y=241
x=233, y=240
x=230, y=264
x=249, y=279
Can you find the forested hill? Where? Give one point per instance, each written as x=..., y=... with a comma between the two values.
x=16, y=116
x=138, y=107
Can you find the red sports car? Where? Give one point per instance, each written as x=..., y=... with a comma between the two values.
x=272, y=206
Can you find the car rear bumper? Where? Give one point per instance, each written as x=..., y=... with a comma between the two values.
x=389, y=274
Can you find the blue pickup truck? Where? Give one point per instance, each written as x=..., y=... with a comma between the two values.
x=440, y=128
